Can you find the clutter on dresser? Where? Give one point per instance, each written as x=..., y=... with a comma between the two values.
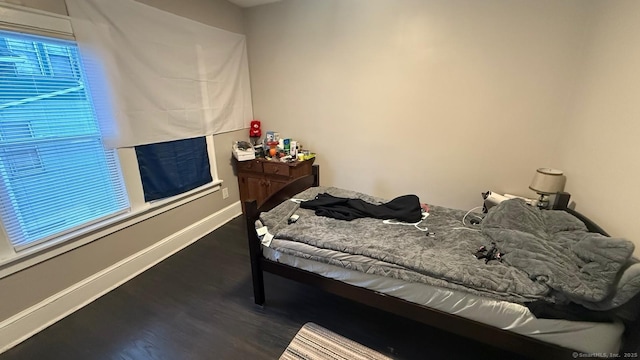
x=272, y=147
x=243, y=151
x=285, y=149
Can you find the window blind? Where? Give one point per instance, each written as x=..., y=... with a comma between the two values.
x=171, y=78
x=55, y=173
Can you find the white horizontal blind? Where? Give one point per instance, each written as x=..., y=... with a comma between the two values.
x=55, y=172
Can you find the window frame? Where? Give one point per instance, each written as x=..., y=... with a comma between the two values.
x=37, y=22
x=12, y=261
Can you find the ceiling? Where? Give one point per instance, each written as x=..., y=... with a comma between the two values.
x=250, y=3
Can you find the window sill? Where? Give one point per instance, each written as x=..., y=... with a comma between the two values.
x=41, y=252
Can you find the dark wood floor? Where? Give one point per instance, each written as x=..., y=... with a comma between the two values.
x=198, y=304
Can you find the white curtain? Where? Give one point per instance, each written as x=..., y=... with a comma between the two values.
x=167, y=77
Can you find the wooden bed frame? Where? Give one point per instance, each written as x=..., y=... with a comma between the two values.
x=475, y=330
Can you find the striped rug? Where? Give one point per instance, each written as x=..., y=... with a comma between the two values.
x=313, y=342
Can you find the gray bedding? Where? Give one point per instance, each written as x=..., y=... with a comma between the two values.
x=554, y=248
x=549, y=256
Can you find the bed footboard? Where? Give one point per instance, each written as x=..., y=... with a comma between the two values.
x=252, y=213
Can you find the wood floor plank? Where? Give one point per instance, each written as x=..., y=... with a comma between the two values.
x=198, y=304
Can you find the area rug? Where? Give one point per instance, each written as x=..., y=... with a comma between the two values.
x=313, y=342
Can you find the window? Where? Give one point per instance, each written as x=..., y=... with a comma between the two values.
x=55, y=174
x=59, y=187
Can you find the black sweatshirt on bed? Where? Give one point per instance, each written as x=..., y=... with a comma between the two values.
x=404, y=208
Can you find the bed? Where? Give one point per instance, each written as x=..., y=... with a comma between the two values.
x=496, y=317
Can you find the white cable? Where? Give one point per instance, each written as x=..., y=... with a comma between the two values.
x=467, y=214
x=465, y=228
x=393, y=222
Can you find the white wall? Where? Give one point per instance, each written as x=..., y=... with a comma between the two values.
x=601, y=154
x=441, y=98
x=447, y=98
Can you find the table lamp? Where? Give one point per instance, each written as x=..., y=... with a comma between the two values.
x=546, y=182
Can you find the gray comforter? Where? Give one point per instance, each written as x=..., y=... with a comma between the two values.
x=550, y=255
x=554, y=248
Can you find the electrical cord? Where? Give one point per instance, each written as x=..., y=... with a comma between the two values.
x=465, y=228
x=393, y=222
x=464, y=218
x=469, y=212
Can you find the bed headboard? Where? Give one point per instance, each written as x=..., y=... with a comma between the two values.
x=298, y=185
x=591, y=226
x=287, y=192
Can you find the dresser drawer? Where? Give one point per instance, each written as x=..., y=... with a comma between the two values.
x=275, y=168
x=250, y=165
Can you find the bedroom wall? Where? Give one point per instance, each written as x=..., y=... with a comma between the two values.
x=601, y=155
x=37, y=283
x=441, y=98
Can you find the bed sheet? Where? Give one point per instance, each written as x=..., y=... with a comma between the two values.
x=582, y=336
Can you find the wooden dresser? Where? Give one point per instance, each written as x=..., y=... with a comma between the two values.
x=259, y=178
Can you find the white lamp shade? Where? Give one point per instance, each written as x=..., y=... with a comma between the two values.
x=547, y=181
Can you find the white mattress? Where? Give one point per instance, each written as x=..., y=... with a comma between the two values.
x=582, y=336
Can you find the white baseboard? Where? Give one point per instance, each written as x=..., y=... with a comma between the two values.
x=32, y=320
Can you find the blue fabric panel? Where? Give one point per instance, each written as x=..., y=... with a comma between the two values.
x=171, y=168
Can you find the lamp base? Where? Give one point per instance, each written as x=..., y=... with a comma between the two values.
x=543, y=202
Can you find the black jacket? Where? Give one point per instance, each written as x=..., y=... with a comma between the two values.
x=404, y=208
